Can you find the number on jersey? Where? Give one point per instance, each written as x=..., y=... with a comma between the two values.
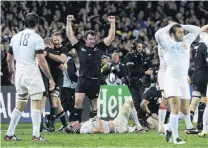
x=24, y=39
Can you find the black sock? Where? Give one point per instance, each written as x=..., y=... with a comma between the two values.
x=53, y=113
x=76, y=114
x=61, y=115
x=93, y=113
x=167, y=117
x=201, y=109
x=192, y=115
x=41, y=123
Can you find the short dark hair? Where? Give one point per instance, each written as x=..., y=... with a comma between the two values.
x=31, y=20
x=56, y=34
x=173, y=28
x=135, y=42
x=89, y=32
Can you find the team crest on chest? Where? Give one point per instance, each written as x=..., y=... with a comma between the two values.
x=83, y=49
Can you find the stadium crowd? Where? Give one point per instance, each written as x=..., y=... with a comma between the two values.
x=133, y=19
x=131, y=59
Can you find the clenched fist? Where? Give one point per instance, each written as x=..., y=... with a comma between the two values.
x=70, y=18
x=111, y=18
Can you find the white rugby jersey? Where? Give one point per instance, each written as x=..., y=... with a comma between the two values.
x=24, y=45
x=105, y=126
x=176, y=54
x=163, y=65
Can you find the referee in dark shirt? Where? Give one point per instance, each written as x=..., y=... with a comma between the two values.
x=90, y=55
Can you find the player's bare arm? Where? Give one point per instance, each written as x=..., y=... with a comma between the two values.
x=10, y=62
x=61, y=67
x=99, y=128
x=59, y=58
x=69, y=30
x=44, y=67
x=204, y=29
x=144, y=106
x=111, y=34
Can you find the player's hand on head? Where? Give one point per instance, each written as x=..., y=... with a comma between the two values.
x=149, y=71
x=51, y=84
x=70, y=18
x=172, y=23
x=111, y=19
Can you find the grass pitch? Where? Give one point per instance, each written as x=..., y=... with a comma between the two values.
x=58, y=139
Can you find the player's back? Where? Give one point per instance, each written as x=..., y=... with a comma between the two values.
x=199, y=55
x=163, y=65
x=24, y=45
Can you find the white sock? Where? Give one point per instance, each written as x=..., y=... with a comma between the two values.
x=36, y=120
x=169, y=127
x=15, y=117
x=133, y=115
x=205, y=119
x=161, y=116
x=181, y=116
x=174, y=126
x=187, y=119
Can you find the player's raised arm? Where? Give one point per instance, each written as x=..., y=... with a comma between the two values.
x=204, y=28
x=162, y=35
x=111, y=34
x=69, y=30
x=193, y=32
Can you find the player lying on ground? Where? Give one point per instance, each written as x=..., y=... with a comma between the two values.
x=118, y=125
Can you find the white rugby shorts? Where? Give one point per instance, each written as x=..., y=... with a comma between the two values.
x=29, y=83
x=176, y=86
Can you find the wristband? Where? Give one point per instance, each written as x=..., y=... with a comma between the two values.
x=47, y=54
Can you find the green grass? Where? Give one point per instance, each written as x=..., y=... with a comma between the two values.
x=148, y=139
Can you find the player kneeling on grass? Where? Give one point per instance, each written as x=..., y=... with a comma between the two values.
x=118, y=125
x=150, y=106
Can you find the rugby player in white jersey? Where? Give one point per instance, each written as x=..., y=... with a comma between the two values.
x=118, y=125
x=176, y=53
x=25, y=48
x=204, y=133
x=160, y=79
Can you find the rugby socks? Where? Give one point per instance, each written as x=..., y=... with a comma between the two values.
x=15, y=117
x=76, y=114
x=161, y=115
x=174, y=119
x=188, y=122
x=36, y=120
x=201, y=109
x=205, y=119
x=61, y=115
x=133, y=114
x=192, y=115
x=93, y=113
x=53, y=113
x=41, y=123
x=167, y=117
